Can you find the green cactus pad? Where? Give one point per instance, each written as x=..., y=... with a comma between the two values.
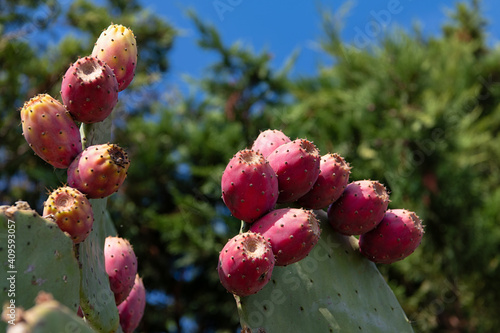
x=44, y=259
x=334, y=289
x=51, y=316
x=96, y=298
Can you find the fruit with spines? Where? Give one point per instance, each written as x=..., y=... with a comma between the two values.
x=297, y=165
x=396, y=237
x=331, y=183
x=72, y=212
x=360, y=208
x=120, y=262
x=99, y=170
x=268, y=141
x=117, y=47
x=292, y=232
x=131, y=309
x=50, y=130
x=89, y=90
x=245, y=264
x=249, y=186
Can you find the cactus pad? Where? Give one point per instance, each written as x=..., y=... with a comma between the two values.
x=96, y=298
x=334, y=289
x=44, y=259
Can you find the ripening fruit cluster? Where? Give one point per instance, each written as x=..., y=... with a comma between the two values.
x=277, y=172
x=89, y=93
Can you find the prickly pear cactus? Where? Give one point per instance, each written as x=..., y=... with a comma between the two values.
x=35, y=255
x=334, y=289
x=97, y=300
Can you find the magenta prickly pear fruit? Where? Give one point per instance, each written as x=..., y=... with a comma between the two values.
x=360, y=208
x=395, y=238
x=249, y=186
x=50, y=131
x=121, y=266
x=297, y=165
x=131, y=309
x=292, y=232
x=116, y=46
x=268, y=141
x=72, y=212
x=99, y=170
x=330, y=185
x=246, y=264
x=89, y=90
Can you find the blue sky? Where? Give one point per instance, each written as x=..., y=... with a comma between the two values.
x=281, y=27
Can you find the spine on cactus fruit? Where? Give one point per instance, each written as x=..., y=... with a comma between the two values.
x=50, y=131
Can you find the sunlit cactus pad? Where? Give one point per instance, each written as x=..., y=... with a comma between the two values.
x=334, y=289
x=44, y=259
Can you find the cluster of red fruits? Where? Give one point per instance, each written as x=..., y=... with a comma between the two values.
x=89, y=93
x=279, y=171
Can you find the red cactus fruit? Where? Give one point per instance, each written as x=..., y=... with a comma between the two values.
x=332, y=180
x=72, y=212
x=89, y=90
x=268, y=141
x=360, y=208
x=395, y=238
x=116, y=46
x=245, y=264
x=292, y=232
x=50, y=131
x=121, y=266
x=132, y=308
x=297, y=165
x=249, y=186
x=99, y=170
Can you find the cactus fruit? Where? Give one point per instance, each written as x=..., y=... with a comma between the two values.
x=89, y=90
x=292, y=232
x=360, y=208
x=99, y=170
x=297, y=165
x=395, y=238
x=50, y=131
x=116, y=46
x=121, y=266
x=268, y=141
x=245, y=264
x=131, y=309
x=249, y=186
x=71, y=211
x=330, y=185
